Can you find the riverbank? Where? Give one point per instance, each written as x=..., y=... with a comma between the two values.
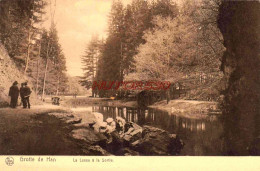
x=188, y=108
x=185, y=108
x=88, y=101
x=56, y=130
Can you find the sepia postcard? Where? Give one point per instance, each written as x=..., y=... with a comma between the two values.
x=129, y=84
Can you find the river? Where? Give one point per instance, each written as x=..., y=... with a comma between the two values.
x=201, y=136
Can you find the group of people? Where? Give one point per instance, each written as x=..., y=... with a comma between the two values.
x=24, y=92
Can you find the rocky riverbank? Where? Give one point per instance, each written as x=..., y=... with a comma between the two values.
x=134, y=140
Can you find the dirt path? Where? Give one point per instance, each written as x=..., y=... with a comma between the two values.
x=34, y=132
x=34, y=110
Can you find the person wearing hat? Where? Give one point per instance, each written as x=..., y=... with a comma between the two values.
x=14, y=94
x=26, y=92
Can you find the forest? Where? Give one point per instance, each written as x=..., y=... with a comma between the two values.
x=159, y=40
x=35, y=50
x=210, y=48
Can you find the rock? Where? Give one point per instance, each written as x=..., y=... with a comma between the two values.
x=131, y=129
x=116, y=137
x=102, y=127
x=64, y=116
x=111, y=126
x=135, y=126
x=127, y=126
x=109, y=120
x=96, y=150
x=120, y=124
x=135, y=143
x=89, y=136
x=98, y=121
x=91, y=125
x=74, y=120
x=82, y=125
x=132, y=135
x=115, y=143
x=98, y=117
x=156, y=141
x=129, y=152
x=67, y=117
x=131, y=125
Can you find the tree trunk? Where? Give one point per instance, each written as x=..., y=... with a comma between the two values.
x=28, y=52
x=29, y=42
x=45, y=72
x=58, y=86
x=37, y=78
x=44, y=80
x=121, y=70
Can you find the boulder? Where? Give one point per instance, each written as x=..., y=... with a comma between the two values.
x=63, y=116
x=89, y=136
x=120, y=124
x=132, y=135
x=82, y=125
x=114, y=143
x=156, y=141
x=98, y=121
x=98, y=117
x=69, y=118
x=74, y=120
x=130, y=152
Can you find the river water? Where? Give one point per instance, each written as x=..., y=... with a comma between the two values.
x=201, y=136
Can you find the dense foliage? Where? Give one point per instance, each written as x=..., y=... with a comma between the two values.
x=35, y=51
x=160, y=40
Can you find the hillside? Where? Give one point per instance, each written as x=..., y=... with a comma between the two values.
x=8, y=74
x=75, y=87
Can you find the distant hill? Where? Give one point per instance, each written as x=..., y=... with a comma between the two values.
x=75, y=87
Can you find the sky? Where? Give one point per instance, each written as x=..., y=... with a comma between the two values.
x=76, y=21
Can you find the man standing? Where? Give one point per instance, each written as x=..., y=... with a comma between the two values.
x=14, y=93
x=22, y=95
x=26, y=92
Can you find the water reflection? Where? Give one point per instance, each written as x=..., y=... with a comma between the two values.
x=155, y=117
x=201, y=136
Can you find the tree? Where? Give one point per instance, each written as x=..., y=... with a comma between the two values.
x=127, y=26
x=164, y=8
x=126, y=29
x=169, y=52
x=18, y=27
x=90, y=62
x=137, y=19
x=54, y=78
